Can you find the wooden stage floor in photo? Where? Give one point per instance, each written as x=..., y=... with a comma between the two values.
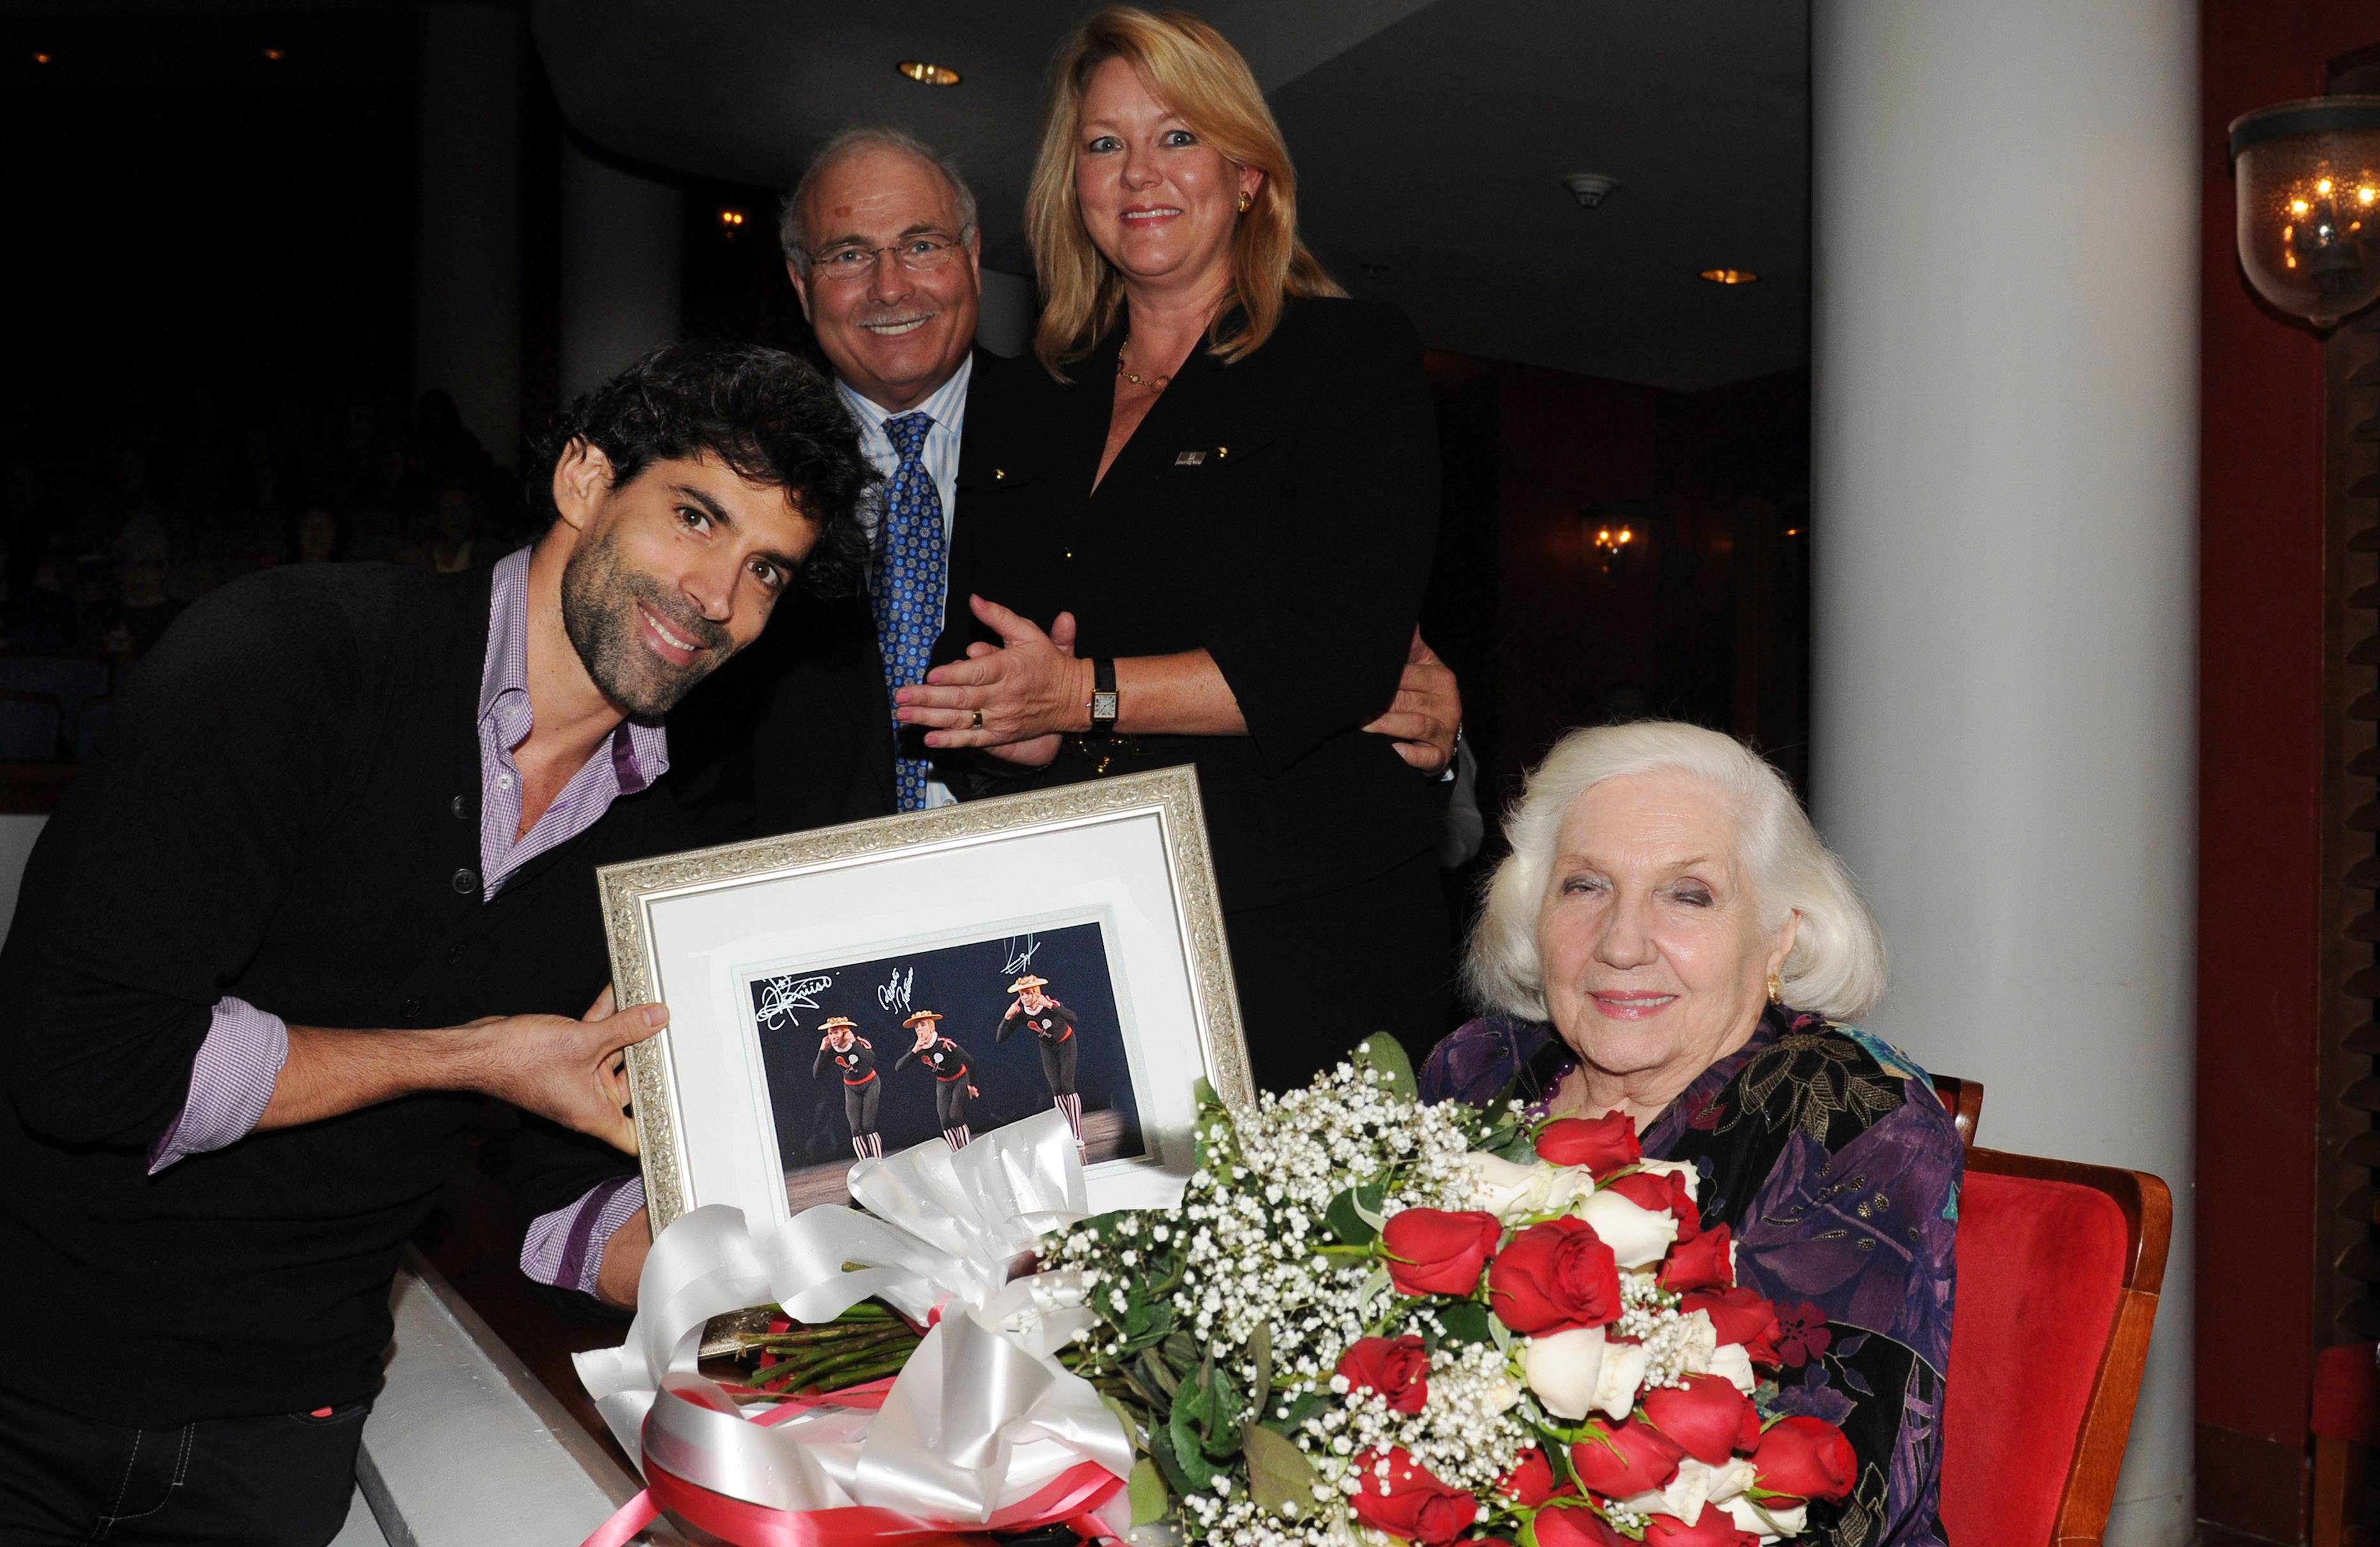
x=1103, y=1134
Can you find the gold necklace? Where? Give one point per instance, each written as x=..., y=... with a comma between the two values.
x=1156, y=383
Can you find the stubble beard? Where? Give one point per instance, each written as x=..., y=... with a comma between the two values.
x=601, y=594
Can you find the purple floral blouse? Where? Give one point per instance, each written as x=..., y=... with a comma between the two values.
x=1825, y=1153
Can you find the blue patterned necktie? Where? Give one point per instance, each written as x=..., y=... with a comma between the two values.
x=909, y=581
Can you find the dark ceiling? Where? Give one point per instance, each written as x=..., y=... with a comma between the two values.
x=1430, y=136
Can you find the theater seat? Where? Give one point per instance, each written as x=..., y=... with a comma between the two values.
x=2059, y=1265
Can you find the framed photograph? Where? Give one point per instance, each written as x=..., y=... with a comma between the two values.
x=925, y=978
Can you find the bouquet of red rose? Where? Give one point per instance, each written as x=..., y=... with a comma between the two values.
x=1369, y=1317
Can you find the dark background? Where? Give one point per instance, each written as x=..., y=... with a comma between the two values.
x=969, y=985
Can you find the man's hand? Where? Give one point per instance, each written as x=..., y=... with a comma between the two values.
x=572, y=1072
x=1010, y=699
x=1426, y=711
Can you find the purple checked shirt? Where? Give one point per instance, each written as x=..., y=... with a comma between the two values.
x=232, y=1079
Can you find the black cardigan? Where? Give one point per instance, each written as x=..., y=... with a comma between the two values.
x=1280, y=513
x=287, y=812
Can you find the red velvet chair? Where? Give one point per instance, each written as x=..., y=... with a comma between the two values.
x=2059, y=1265
x=2346, y=1433
x=1965, y=1100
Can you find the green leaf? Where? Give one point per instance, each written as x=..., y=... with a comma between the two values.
x=1134, y=1428
x=1210, y=1407
x=1147, y=1321
x=1158, y=1375
x=1466, y=1321
x=1182, y=1440
x=1147, y=1493
x=1181, y=1476
x=1182, y=1351
x=1355, y=1215
x=1279, y=1472
x=1306, y=1404
x=1518, y=1146
x=1260, y=1355
x=1381, y=1052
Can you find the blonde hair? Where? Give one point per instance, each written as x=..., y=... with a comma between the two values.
x=1836, y=966
x=1198, y=74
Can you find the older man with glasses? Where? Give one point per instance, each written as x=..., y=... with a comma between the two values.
x=881, y=242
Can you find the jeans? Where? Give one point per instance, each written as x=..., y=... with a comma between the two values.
x=284, y=1480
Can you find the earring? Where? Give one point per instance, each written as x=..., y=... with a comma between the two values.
x=1776, y=989
x=1246, y=200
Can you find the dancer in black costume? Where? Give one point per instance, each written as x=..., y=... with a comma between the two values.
x=857, y=1059
x=951, y=1065
x=1053, y=1025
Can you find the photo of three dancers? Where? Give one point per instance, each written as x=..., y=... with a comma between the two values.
x=952, y=1066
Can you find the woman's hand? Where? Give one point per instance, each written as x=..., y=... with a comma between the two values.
x=1013, y=699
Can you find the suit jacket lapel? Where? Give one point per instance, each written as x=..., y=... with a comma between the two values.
x=1173, y=425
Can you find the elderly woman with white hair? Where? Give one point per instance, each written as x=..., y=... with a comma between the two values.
x=1670, y=943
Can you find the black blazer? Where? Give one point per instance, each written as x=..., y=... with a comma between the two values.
x=796, y=732
x=1280, y=513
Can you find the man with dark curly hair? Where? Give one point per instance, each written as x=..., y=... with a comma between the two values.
x=332, y=882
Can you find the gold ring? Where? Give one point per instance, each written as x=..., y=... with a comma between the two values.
x=978, y=722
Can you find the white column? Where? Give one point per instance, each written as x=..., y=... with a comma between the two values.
x=621, y=260
x=466, y=282
x=2004, y=741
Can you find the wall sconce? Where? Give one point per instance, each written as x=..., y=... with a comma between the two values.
x=1616, y=538
x=2307, y=179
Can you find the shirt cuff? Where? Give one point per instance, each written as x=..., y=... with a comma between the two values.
x=231, y=1083
x=566, y=1248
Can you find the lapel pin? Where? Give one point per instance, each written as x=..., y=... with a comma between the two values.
x=1188, y=459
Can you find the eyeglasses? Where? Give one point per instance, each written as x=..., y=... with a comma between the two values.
x=919, y=255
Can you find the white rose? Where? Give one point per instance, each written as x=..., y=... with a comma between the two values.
x=1767, y=1522
x=1694, y=1486
x=1637, y=1236
x=1615, y=1387
x=1566, y=1369
x=1506, y=1190
x=1732, y=1361
x=1683, y=1497
x=1729, y=1481
x=1701, y=1343
x=1694, y=1179
x=1499, y=1394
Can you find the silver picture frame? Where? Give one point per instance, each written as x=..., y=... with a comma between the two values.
x=700, y=930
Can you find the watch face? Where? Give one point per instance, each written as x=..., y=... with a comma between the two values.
x=1103, y=705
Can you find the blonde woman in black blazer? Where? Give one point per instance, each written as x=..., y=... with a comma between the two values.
x=1232, y=504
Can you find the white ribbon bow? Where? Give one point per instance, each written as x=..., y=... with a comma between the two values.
x=982, y=1417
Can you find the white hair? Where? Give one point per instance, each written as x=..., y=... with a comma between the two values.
x=794, y=239
x=1836, y=966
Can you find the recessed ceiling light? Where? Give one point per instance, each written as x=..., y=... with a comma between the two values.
x=274, y=55
x=40, y=58
x=1590, y=188
x=928, y=75
x=1730, y=276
